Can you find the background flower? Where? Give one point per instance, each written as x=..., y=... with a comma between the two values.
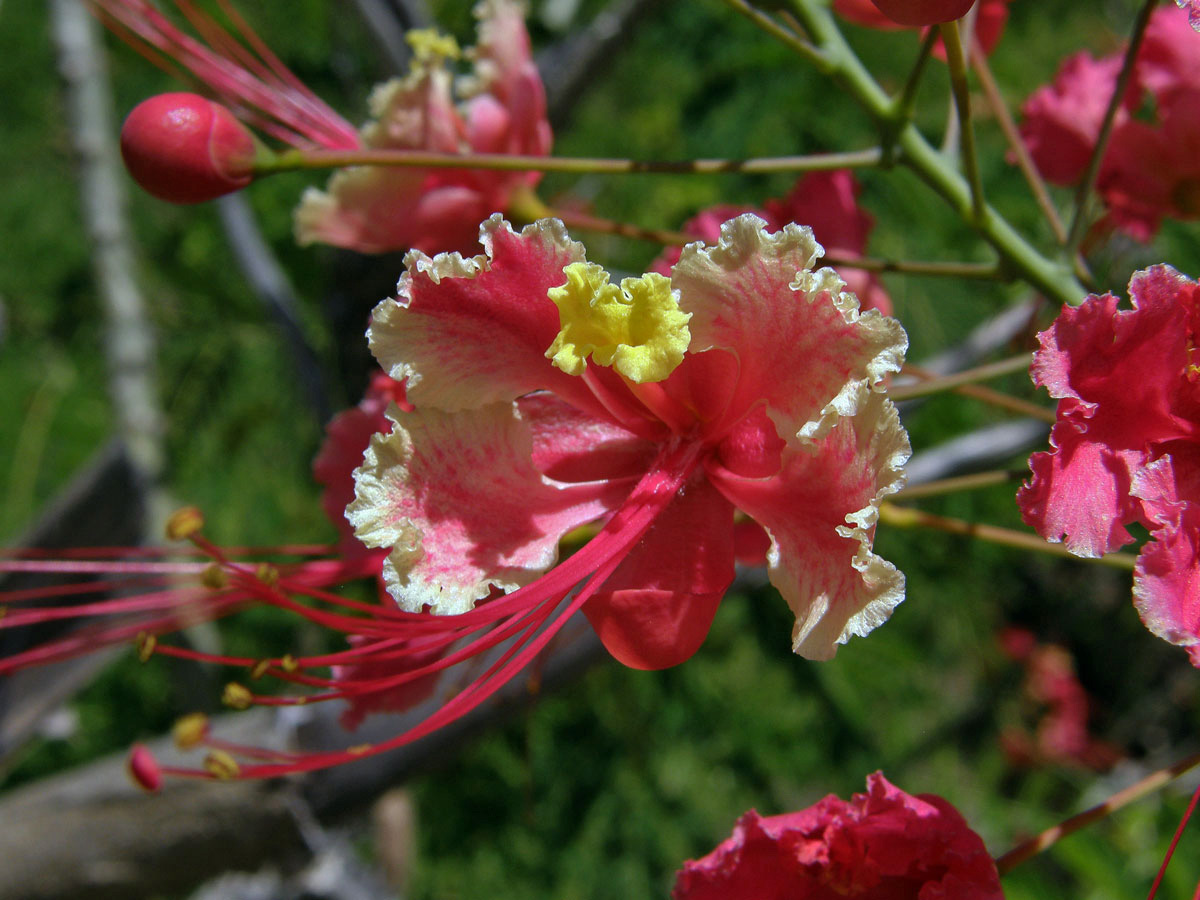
x=882, y=845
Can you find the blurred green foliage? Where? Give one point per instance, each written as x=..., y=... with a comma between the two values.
x=601, y=790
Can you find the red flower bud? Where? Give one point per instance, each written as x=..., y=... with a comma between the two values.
x=923, y=12
x=184, y=148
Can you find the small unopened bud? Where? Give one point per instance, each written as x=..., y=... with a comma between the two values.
x=185, y=148
x=190, y=731
x=143, y=768
x=183, y=523
x=923, y=12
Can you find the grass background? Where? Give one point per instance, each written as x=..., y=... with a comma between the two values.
x=603, y=789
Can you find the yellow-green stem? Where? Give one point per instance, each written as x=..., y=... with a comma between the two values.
x=950, y=382
x=907, y=517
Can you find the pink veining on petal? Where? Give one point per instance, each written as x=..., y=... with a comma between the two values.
x=800, y=342
x=467, y=332
x=827, y=202
x=460, y=503
x=820, y=512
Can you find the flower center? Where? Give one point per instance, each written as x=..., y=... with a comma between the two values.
x=637, y=328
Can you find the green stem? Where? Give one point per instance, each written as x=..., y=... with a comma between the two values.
x=957, y=63
x=300, y=160
x=1136, y=791
x=839, y=62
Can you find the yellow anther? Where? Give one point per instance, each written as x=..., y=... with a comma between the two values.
x=259, y=669
x=358, y=749
x=214, y=577
x=146, y=644
x=267, y=574
x=237, y=696
x=183, y=523
x=221, y=765
x=429, y=45
x=288, y=663
x=189, y=731
x=637, y=328
x=3, y=610
x=301, y=701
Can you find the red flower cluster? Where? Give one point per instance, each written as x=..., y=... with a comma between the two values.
x=1127, y=442
x=1151, y=170
x=883, y=845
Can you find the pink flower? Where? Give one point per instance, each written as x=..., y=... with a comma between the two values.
x=1062, y=120
x=990, y=19
x=881, y=845
x=827, y=202
x=1150, y=170
x=1126, y=441
x=747, y=381
x=500, y=108
x=546, y=398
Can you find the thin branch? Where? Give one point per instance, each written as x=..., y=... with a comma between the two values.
x=985, y=271
x=990, y=396
x=294, y=160
x=777, y=31
x=936, y=385
x=1079, y=223
x=1136, y=791
x=957, y=483
x=906, y=517
x=1024, y=161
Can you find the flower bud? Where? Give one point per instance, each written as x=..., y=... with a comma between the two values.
x=184, y=148
x=923, y=12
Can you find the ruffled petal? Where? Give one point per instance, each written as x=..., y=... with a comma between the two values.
x=1166, y=583
x=466, y=332
x=458, y=500
x=346, y=437
x=655, y=610
x=820, y=511
x=1119, y=374
x=799, y=339
x=1080, y=492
